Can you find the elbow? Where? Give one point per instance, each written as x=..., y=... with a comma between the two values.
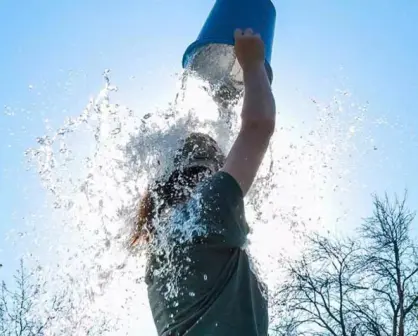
x=259, y=117
x=264, y=127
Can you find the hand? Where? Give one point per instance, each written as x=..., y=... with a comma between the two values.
x=249, y=49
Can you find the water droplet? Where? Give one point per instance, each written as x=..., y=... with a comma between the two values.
x=205, y=277
x=192, y=294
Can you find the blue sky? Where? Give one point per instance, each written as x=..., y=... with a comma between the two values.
x=54, y=52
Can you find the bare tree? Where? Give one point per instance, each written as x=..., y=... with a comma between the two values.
x=18, y=314
x=316, y=293
x=391, y=263
x=363, y=286
x=26, y=311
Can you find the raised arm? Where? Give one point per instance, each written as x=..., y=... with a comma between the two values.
x=258, y=114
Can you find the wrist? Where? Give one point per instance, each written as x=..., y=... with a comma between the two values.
x=255, y=66
x=255, y=72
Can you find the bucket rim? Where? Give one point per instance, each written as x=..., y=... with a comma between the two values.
x=196, y=45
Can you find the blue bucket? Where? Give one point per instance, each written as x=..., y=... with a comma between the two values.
x=212, y=56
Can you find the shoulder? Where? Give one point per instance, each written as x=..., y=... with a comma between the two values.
x=221, y=185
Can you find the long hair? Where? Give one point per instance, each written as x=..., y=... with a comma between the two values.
x=165, y=194
x=143, y=221
x=199, y=157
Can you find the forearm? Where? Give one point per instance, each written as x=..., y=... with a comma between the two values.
x=258, y=112
x=259, y=109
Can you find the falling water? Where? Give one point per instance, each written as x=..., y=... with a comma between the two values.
x=97, y=164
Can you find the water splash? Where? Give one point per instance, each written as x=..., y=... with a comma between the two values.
x=96, y=166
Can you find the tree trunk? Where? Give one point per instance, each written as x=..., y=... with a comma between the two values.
x=400, y=291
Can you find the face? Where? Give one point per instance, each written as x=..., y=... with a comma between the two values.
x=182, y=183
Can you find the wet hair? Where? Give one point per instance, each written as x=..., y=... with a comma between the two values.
x=198, y=158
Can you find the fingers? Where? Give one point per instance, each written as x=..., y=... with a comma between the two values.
x=247, y=32
x=238, y=33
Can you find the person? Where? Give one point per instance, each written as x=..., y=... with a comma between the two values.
x=199, y=275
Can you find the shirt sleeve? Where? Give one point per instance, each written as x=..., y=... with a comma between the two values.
x=222, y=211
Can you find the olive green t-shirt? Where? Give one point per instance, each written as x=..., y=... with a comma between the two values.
x=198, y=274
